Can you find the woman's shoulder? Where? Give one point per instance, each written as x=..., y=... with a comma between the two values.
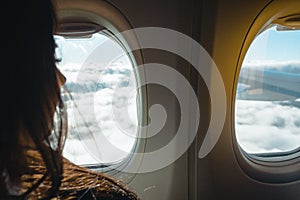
x=93, y=185
x=80, y=183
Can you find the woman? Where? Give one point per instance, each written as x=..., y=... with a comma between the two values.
x=31, y=141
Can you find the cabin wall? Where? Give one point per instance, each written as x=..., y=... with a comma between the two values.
x=172, y=181
x=231, y=23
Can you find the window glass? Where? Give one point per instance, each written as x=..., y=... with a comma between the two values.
x=267, y=113
x=100, y=80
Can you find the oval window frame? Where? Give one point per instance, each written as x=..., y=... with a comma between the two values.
x=278, y=169
x=110, y=18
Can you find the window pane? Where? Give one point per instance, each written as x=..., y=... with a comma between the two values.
x=100, y=77
x=267, y=113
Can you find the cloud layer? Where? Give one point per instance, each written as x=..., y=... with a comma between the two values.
x=269, y=126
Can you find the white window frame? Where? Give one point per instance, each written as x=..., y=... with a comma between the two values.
x=106, y=15
x=281, y=168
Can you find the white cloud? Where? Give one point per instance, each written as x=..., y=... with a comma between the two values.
x=267, y=126
x=95, y=136
x=283, y=66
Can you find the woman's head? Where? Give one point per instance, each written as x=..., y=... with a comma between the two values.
x=30, y=90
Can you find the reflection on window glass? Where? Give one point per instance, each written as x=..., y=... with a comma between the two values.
x=101, y=80
x=267, y=113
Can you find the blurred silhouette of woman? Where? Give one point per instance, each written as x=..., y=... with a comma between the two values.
x=31, y=141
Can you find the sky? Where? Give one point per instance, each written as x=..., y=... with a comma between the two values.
x=273, y=45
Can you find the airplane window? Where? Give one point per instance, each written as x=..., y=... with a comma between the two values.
x=100, y=76
x=267, y=112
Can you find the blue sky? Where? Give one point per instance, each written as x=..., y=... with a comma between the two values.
x=273, y=45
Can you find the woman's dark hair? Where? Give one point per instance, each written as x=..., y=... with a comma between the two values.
x=30, y=94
